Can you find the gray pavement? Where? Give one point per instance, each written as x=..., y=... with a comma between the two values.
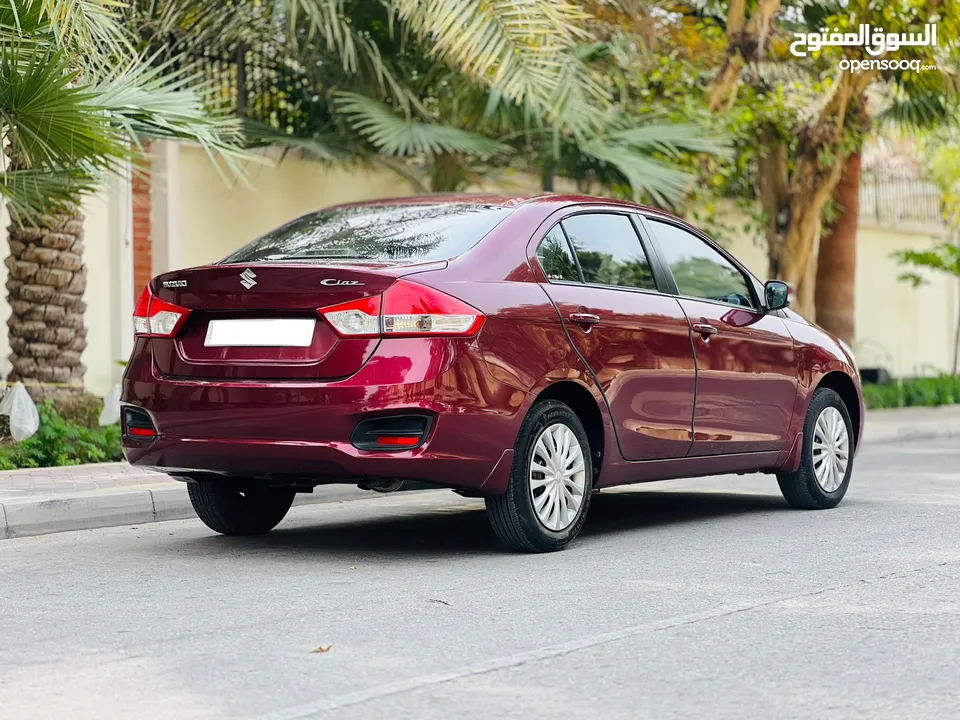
x=705, y=598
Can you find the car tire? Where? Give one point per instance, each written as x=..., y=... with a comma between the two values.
x=818, y=482
x=232, y=509
x=544, y=511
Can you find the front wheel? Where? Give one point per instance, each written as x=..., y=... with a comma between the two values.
x=826, y=461
x=232, y=508
x=551, y=481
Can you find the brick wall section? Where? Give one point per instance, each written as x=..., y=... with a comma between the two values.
x=142, y=231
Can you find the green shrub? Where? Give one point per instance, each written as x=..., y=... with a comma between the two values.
x=914, y=392
x=62, y=442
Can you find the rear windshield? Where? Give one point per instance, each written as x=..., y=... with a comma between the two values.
x=401, y=233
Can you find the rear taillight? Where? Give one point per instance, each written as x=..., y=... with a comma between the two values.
x=154, y=317
x=405, y=309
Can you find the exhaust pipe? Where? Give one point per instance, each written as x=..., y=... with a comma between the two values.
x=381, y=485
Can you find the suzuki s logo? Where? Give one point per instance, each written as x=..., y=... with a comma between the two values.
x=334, y=281
x=248, y=279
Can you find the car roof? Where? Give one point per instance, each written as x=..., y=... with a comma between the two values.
x=549, y=202
x=498, y=199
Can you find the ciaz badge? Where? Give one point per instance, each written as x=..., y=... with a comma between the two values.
x=334, y=281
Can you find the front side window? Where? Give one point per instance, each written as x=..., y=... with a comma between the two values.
x=699, y=270
x=555, y=257
x=398, y=233
x=609, y=250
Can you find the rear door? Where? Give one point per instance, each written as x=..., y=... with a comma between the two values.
x=746, y=362
x=635, y=339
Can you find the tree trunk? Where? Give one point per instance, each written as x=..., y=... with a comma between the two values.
x=837, y=257
x=773, y=192
x=746, y=40
x=45, y=288
x=813, y=181
x=447, y=174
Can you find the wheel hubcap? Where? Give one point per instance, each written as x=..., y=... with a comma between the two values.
x=557, y=477
x=831, y=449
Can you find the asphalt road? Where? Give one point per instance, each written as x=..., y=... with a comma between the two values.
x=694, y=599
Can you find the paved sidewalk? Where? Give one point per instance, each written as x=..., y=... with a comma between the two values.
x=79, y=478
x=82, y=497
x=49, y=500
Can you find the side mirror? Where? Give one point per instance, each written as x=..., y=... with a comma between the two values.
x=776, y=294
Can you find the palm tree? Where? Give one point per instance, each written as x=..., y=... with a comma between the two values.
x=910, y=104
x=444, y=91
x=76, y=102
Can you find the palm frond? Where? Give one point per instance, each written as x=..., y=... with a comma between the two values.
x=517, y=47
x=579, y=101
x=324, y=147
x=672, y=139
x=89, y=25
x=646, y=155
x=51, y=119
x=326, y=20
x=395, y=135
x=209, y=24
x=154, y=100
x=32, y=192
x=646, y=175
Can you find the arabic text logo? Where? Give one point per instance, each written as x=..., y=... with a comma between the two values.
x=876, y=42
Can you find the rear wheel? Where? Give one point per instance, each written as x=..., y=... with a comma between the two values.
x=826, y=461
x=548, y=495
x=235, y=509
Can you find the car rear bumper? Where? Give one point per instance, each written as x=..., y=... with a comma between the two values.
x=300, y=431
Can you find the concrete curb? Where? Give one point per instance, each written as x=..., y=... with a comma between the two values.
x=28, y=516
x=885, y=427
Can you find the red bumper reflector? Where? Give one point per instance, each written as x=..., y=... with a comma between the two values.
x=141, y=432
x=398, y=440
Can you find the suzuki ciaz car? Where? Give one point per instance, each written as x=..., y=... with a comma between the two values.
x=527, y=351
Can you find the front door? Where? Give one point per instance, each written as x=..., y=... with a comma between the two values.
x=635, y=339
x=746, y=362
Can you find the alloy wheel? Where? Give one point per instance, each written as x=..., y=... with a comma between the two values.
x=831, y=449
x=557, y=477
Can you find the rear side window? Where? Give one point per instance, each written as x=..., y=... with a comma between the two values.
x=555, y=257
x=609, y=250
x=400, y=233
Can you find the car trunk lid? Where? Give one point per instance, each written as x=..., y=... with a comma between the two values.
x=260, y=321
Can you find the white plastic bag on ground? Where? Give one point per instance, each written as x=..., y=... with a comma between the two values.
x=111, y=407
x=19, y=406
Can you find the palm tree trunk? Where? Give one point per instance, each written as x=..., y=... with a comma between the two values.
x=45, y=287
x=837, y=258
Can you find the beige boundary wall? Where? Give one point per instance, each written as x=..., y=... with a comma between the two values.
x=198, y=219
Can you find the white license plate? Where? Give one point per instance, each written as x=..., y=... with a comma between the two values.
x=267, y=332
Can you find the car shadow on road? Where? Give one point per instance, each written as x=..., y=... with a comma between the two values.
x=464, y=529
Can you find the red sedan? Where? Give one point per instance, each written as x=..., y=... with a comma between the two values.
x=527, y=351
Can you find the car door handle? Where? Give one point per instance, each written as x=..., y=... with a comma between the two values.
x=584, y=318
x=705, y=329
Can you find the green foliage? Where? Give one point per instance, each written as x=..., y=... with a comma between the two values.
x=76, y=99
x=914, y=392
x=944, y=257
x=61, y=442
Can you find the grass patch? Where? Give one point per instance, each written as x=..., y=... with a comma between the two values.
x=914, y=392
x=62, y=441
